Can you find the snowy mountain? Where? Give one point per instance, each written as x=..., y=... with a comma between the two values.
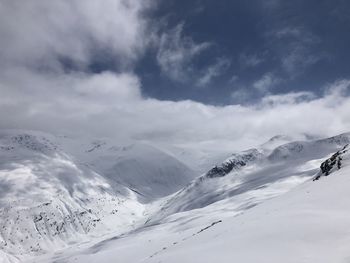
x=254, y=169
x=305, y=224
x=146, y=170
x=49, y=200
x=55, y=191
x=75, y=200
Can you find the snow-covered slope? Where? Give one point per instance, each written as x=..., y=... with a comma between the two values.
x=310, y=223
x=150, y=172
x=200, y=158
x=48, y=200
x=55, y=191
x=97, y=201
x=260, y=168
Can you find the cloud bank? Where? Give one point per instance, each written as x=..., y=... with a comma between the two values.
x=47, y=32
x=111, y=105
x=38, y=92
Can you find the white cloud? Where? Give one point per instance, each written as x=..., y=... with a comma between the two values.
x=108, y=86
x=266, y=83
x=213, y=71
x=271, y=4
x=287, y=99
x=233, y=79
x=296, y=48
x=39, y=32
x=176, y=52
x=240, y=95
x=298, y=59
x=113, y=107
x=288, y=32
x=250, y=60
x=111, y=104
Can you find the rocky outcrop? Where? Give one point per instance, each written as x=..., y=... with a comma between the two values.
x=235, y=162
x=332, y=163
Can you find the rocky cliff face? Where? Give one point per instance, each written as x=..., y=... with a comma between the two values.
x=235, y=162
x=332, y=163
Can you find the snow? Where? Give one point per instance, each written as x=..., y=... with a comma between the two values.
x=56, y=191
x=249, y=170
x=149, y=171
x=83, y=200
x=307, y=224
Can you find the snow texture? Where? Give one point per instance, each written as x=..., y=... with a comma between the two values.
x=74, y=200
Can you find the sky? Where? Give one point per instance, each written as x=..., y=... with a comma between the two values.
x=176, y=71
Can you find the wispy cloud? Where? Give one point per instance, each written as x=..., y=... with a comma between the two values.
x=240, y=95
x=289, y=32
x=266, y=82
x=176, y=52
x=271, y=4
x=250, y=60
x=213, y=71
x=296, y=49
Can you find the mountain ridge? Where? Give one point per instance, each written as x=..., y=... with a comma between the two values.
x=57, y=191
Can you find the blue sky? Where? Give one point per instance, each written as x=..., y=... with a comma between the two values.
x=254, y=48
x=176, y=71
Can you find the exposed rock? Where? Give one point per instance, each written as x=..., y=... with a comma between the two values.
x=334, y=162
x=235, y=162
